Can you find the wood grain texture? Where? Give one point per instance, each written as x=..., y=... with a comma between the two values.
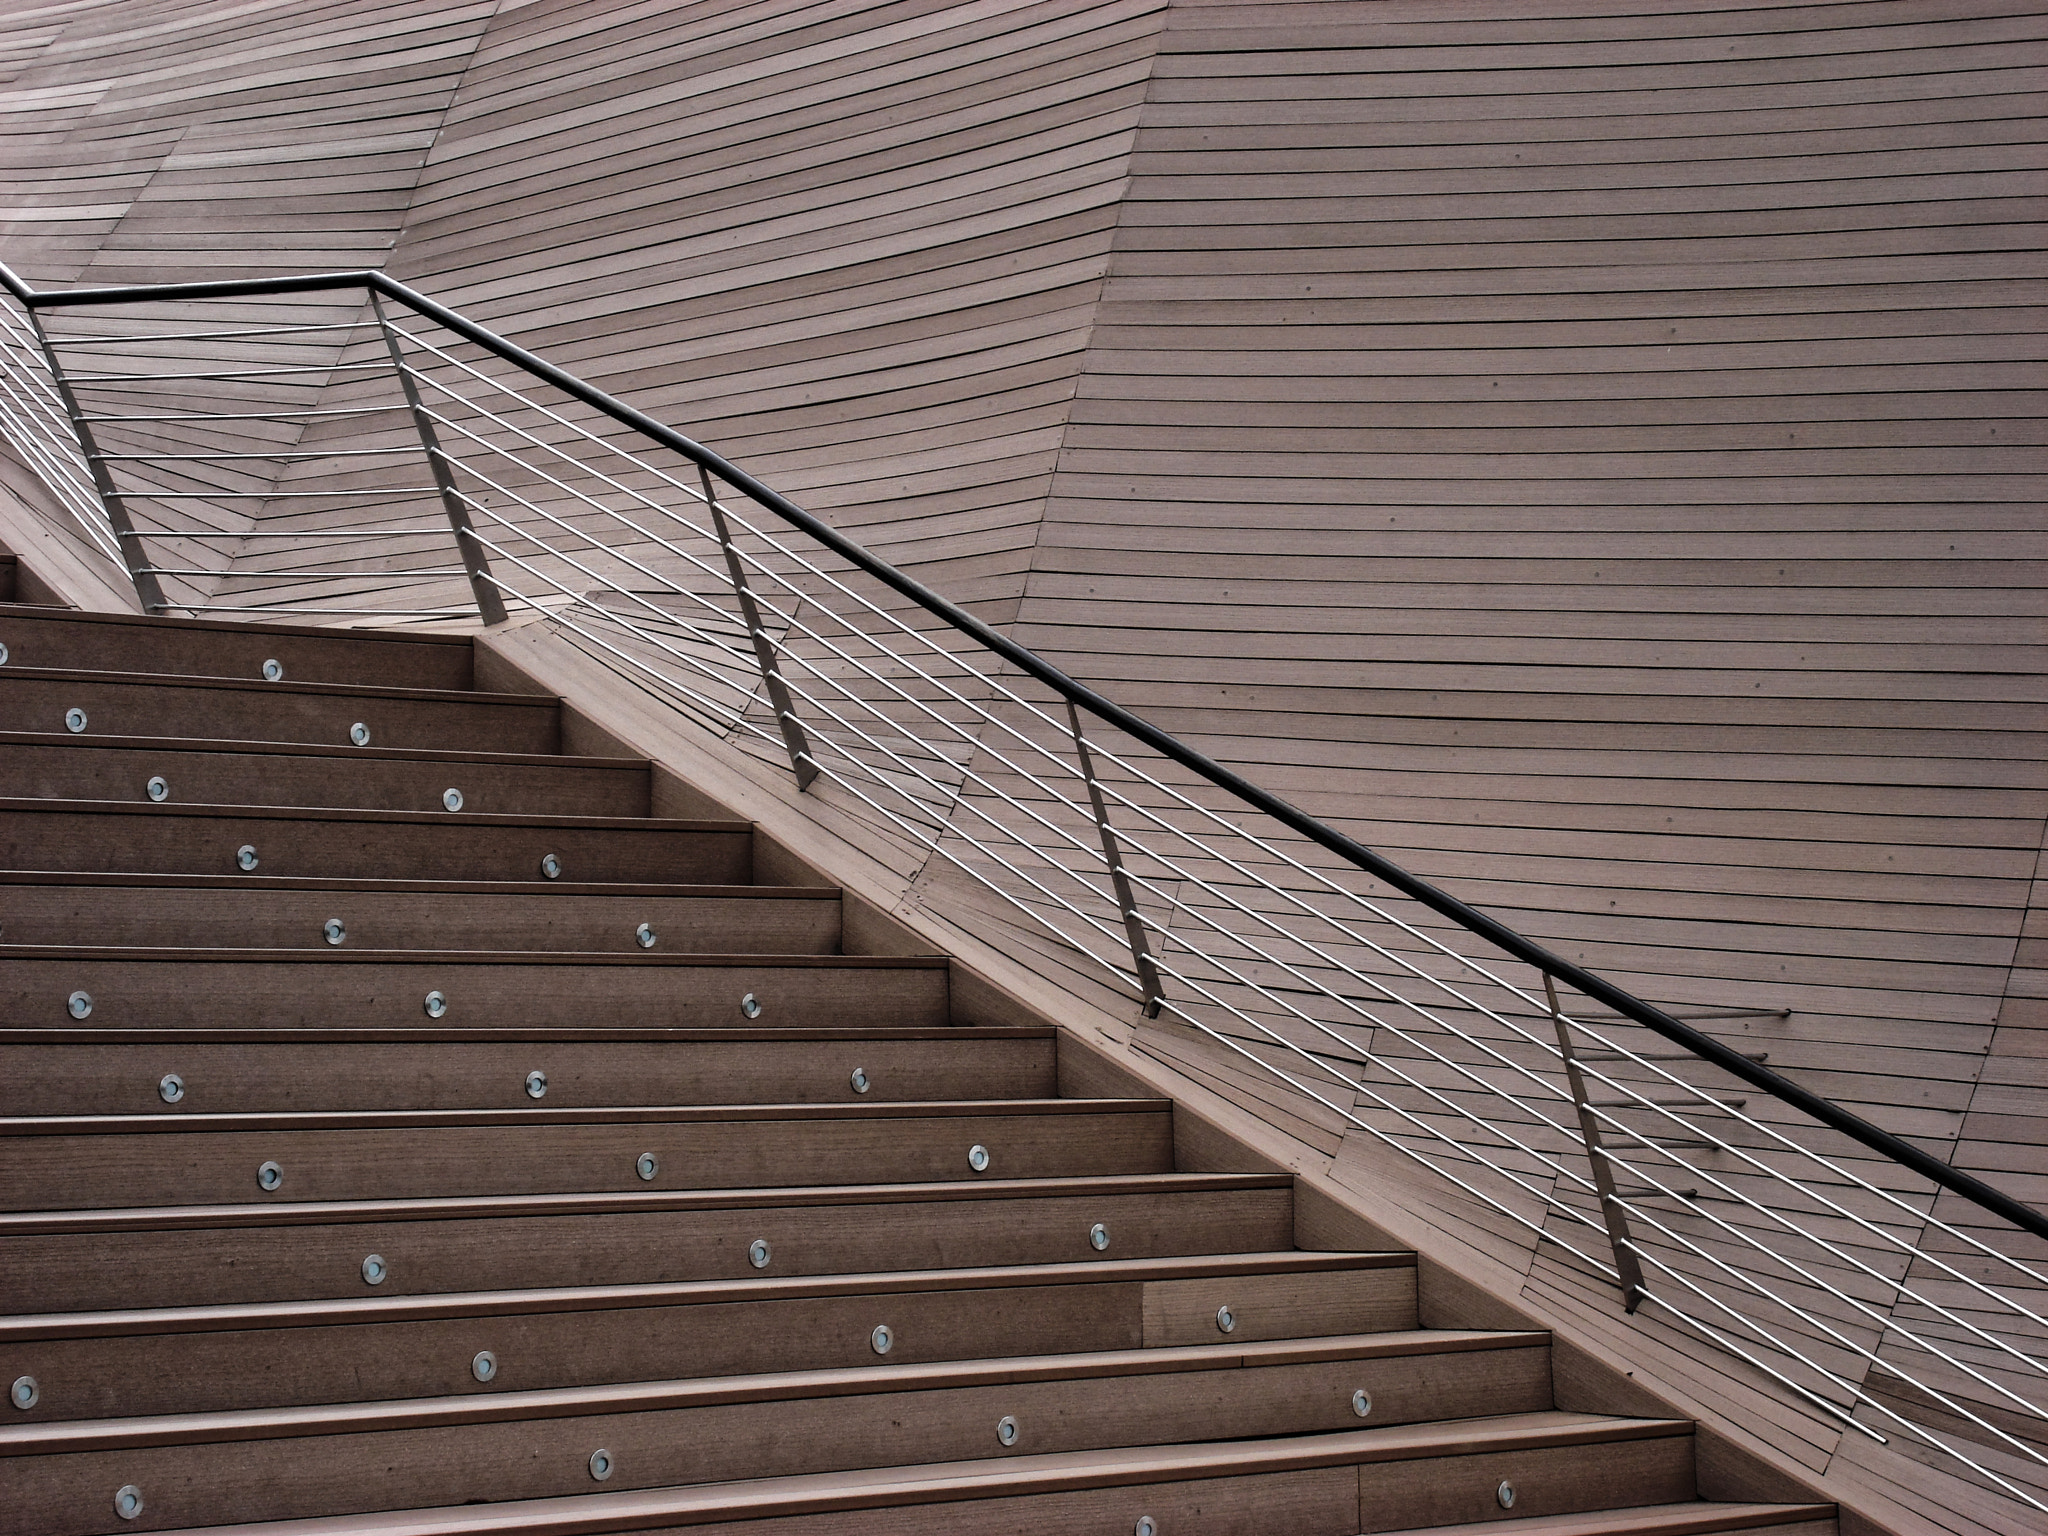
x=1498, y=428
x=1591, y=454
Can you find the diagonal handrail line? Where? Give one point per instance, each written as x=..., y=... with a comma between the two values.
x=1494, y=932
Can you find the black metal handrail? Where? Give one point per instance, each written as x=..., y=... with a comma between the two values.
x=1494, y=932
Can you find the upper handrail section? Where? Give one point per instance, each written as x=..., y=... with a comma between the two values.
x=1078, y=694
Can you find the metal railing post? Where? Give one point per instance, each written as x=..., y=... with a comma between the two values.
x=1134, y=930
x=1625, y=1262
x=793, y=737
x=133, y=555
x=488, y=602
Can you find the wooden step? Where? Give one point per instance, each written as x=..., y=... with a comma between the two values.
x=1693, y=1518
x=218, y=709
x=293, y=989
x=266, y=912
x=1334, y=1484
x=198, y=1359
x=301, y=1250
x=42, y=765
x=122, y=1072
x=93, y=836
x=284, y=1463
x=97, y=1161
x=204, y=648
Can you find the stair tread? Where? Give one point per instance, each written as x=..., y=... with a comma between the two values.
x=371, y=753
x=343, y=955
x=360, y=885
x=369, y=1309
x=986, y=1478
x=1697, y=1516
x=485, y=1034
x=285, y=686
x=307, y=1213
x=34, y=805
x=316, y=1120
x=268, y=626
x=553, y=1205
x=645, y=1396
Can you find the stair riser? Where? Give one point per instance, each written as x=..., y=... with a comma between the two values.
x=154, y=842
x=230, y=1079
x=175, y=1167
x=76, y=771
x=281, y=1367
x=233, y=651
x=334, y=1474
x=158, y=917
x=182, y=1267
x=1322, y=1502
x=275, y=712
x=1398, y=1495
x=320, y=992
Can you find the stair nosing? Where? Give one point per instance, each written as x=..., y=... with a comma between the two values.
x=217, y=745
x=244, y=627
x=37, y=805
x=229, y=1317
x=486, y=1034
x=217, y=1426
x=139, y=954
x=365, y=884
x=254, y=1122
x=493, y=1207
x=283, y=686
x=1700, y=1516
x=953, y=1482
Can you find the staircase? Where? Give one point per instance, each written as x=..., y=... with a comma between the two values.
x=403, y=1124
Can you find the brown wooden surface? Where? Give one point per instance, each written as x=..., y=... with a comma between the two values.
x=89, y=1261
x=37, y=700
x=284, y=989
x=84, y=835
x=874, y=1417
x=63, y=767
x=221, y=1358
x=60, y=1163
x=1590, y=454
x=141, y=914
x=105, y=641
x=45, y=1074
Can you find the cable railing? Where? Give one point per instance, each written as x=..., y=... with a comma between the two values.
x=1879, y=1291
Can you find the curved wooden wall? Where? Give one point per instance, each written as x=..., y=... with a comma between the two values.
x=856, y=245
x=1591, y=450
x=1595, y=455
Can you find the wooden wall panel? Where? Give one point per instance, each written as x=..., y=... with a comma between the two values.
x=149, y=141
x=1595, y=455
x=855, y=246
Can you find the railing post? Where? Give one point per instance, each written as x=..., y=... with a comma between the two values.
x=1134, y=930
x=793, y=737
x=133, y=555
x=488, y=601
x=1625, y=1262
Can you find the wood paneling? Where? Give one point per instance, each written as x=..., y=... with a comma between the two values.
x=157, y=141
x=1592, y=454
x=1593, y=457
